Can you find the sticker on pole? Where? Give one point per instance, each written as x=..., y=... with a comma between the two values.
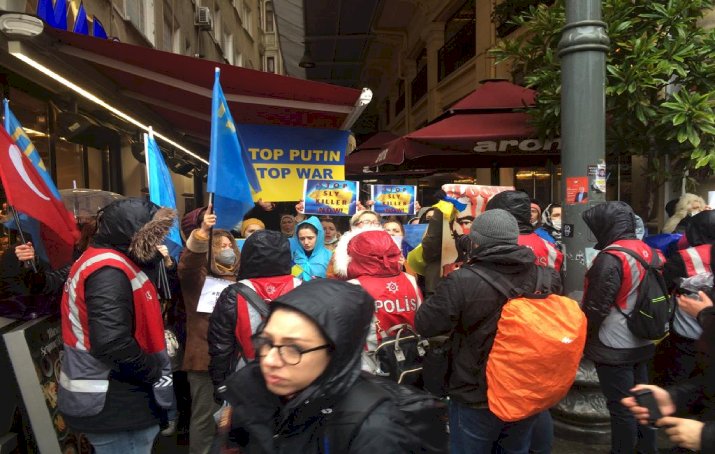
x=567, y=230
x=576, y=190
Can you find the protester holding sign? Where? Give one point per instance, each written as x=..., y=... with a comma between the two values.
x=194, y=272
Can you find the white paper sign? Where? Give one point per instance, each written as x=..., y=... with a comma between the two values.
x=711, y=199
x=213, y=287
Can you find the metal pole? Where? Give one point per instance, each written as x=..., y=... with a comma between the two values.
x=582, y=51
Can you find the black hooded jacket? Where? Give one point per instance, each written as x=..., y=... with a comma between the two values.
x=701, y=230
x=133, y=227
x=609, y=222
x=465, y=303
x=266, y=253
x=518, y=203
x=262, y=423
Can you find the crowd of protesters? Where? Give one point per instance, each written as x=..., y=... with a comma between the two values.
x=306, y=300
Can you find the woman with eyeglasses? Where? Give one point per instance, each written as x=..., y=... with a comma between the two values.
x=308, y=360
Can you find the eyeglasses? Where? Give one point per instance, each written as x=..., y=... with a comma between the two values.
x=368, y=222
x=290, y=354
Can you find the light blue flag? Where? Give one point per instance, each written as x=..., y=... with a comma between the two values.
x=81, y=25
x=161, y=190
x=14, y=128
x=229, y=168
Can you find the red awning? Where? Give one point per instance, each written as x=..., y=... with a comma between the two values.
x=367, y=152
x=179, y=88
x=484, y=128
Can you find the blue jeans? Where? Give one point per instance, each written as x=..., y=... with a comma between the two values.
x=125, y=442
x=478, y=430
x=627, y=436
x=542, y=435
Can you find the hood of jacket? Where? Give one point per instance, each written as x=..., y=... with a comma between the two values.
x=368, y=251
x=611, y=221
x=134, y=227
x=343, y=311
x=701, y=228
x=505, y=259
x=319, y=242
x=517, y=203
x=265, y=253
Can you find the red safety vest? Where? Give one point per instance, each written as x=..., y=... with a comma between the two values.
x=546, y=253
x=247, y=321
x=84, y=380
x=696, y=259
x=633, y=271
x=396, y=301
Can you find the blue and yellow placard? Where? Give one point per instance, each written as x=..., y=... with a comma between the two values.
x=393, y=199
x=333, y=197
x=284, y=156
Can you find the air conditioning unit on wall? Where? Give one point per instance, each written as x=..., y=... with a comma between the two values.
x=203, y=19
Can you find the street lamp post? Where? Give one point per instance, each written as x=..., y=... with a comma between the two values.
x=582, y=414
x=582, y=51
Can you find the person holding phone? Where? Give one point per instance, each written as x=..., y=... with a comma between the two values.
x=688, y=395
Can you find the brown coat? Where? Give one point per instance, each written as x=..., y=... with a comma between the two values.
x=192, y=271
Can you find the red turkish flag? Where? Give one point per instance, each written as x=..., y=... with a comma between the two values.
x=27, y=192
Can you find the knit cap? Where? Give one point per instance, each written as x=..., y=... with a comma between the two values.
x=495, y=226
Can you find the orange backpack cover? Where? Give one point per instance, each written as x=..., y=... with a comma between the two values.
x=535, y=356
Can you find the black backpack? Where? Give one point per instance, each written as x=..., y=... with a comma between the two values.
x=425, y=415
x=653, y=311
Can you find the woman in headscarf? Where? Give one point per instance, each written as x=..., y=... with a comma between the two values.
x=307, y=246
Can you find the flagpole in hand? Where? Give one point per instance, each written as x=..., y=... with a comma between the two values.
x=22, y=236
x=210, y=210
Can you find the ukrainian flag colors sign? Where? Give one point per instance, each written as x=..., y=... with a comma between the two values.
x=336, y=198
x=393, y=199
x=284, y=157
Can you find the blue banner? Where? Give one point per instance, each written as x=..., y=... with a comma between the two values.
x=336, y=198
x=284, y=156
x=393, y=199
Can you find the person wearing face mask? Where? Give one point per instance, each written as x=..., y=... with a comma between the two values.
x=551, y=223
x=332, y=236
x=194, y=267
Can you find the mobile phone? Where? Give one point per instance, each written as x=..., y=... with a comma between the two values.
x=646, y=399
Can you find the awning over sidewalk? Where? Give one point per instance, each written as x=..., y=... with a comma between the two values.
x=179, y=87
x=486, y=127
x=367, y=153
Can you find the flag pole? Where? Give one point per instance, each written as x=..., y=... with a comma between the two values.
x=22, y=235
x=146, y=158
x=210, y=210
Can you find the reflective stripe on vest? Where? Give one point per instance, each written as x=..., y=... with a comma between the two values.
x=546, y=253
x=247, y=318
x=697, y=261
x=83, y=386
x=614, y=331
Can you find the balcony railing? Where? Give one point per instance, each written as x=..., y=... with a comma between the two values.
x=419, y=85
x=458, y=50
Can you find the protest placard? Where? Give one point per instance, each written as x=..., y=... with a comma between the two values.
x=284, y=156
x=393, y=199
x=330, y=197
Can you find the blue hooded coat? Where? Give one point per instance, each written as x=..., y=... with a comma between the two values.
x=307, y=267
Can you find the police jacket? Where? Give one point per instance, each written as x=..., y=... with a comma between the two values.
x=264, y=423
x=133, y=228
x=610, y=222
x=470, y=307
x=265, y=268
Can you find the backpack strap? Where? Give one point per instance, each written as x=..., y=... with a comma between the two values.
x=343, y=424
x=253, y=298
x=655, y=262
x=497, y=281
